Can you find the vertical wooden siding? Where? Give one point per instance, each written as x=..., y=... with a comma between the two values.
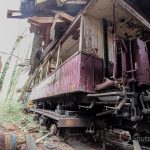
x=93, y=37
x=78, y=74
x=93, y=34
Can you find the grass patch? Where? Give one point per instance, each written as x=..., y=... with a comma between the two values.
x=12, y=112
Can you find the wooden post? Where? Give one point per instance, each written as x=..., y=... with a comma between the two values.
x=47, y=69
x=47, y=36
x=58, y=56
x=41, y=72
x=52, y=33
x=81, y=33
x=114, y=42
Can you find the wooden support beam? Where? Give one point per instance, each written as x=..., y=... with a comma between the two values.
x=13, y=11
x=64, y=16
x=10, y=13
x=43, y=20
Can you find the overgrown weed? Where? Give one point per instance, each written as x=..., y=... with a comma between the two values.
x=12, y=112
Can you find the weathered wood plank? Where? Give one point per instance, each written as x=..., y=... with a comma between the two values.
x=31, y=145
x=43, y=20
x=81, y=33
x=48, y=49
x=43, y=137
x=64, y=16
x=93, y=35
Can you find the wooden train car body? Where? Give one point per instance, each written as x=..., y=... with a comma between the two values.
x=97, y=70
x=80, y=73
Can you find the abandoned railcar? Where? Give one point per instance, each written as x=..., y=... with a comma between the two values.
x=95, y=71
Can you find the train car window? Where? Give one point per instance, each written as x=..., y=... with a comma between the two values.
x=69, y=47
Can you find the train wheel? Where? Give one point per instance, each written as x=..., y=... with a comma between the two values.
x=85, y=138
x=61, y=133
x=41, y=121
x=53, y=129
x=36, y=117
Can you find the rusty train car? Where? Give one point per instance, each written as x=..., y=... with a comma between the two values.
x=94, y=73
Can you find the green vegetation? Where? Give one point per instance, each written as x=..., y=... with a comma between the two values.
x=6, y=66
x=12, y=84
x=11, y=112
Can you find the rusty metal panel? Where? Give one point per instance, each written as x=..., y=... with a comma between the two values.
x=80, y=73
x=140, y=57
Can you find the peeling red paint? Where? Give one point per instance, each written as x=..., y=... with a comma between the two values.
x=79, y=74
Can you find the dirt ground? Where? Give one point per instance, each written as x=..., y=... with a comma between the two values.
x=21, y=130
x=14, y=121
x=50, y=142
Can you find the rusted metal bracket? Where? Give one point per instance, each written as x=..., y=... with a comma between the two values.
x=121, y=104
